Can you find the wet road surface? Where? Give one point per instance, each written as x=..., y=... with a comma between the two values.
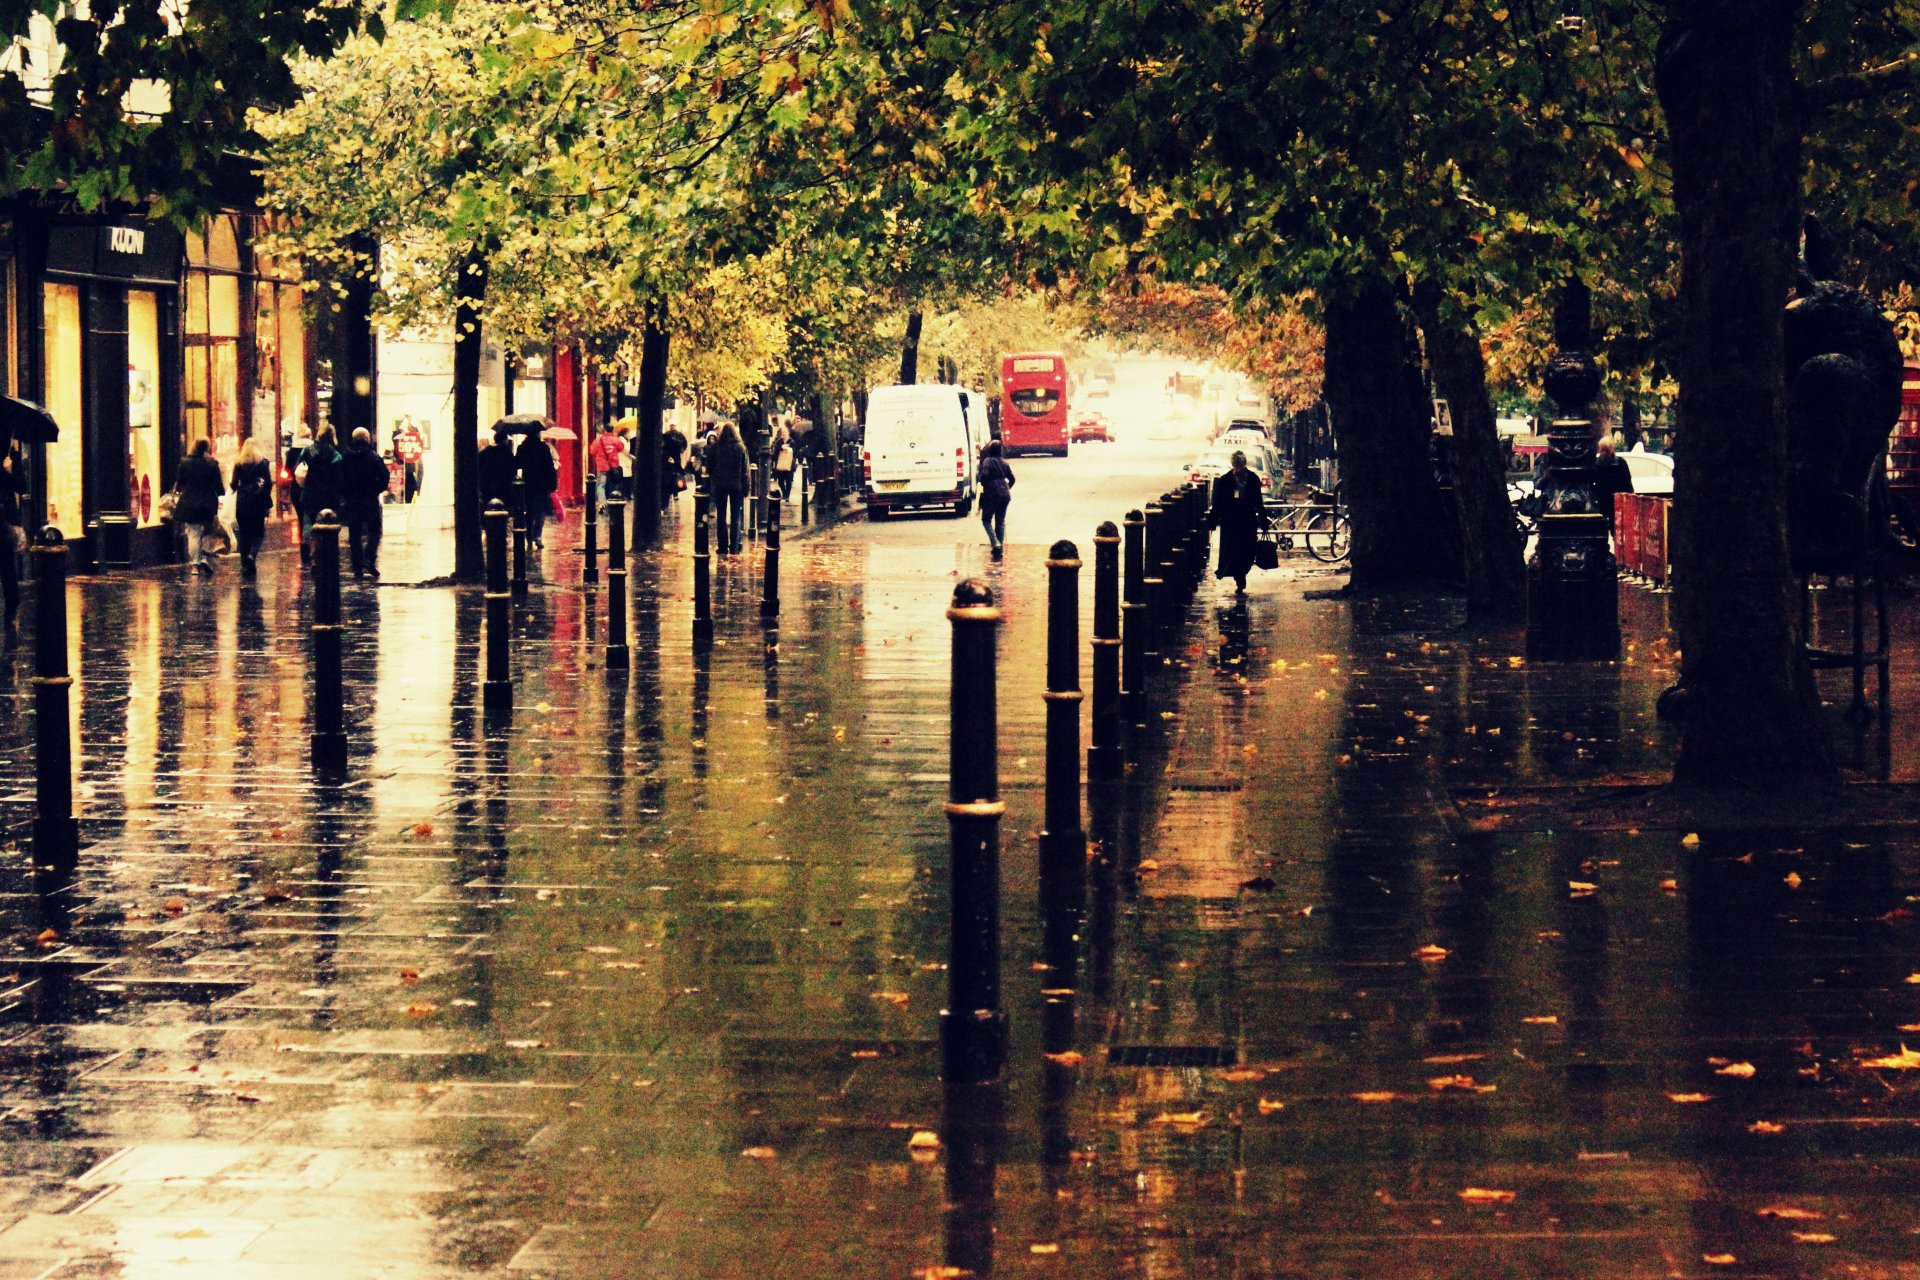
x=647, y=985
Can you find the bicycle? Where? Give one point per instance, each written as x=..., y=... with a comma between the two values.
x=1320, y=523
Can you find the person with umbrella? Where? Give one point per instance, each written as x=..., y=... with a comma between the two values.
x=540, y=478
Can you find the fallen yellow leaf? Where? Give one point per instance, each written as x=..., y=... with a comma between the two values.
x=1431, y=954
x=1792, y=880
x=1068, y=1059
x=1788, y=1213
x=1580, y=888
x=1690, y=1097
x=1669, y=886
x=1043, y=1248
x=1739, y=1070
x=1375, y=1095
x=758, y=1153
x=1691, y=840
x=924, y=1139
x=1484, y=1195
x=1543, y=1020
x=1268, y=1107
x=1718, y=1259
x=1183, y=1118
x=1466, y=1084
x=1812, y=1237
x=1148, y=865
x=891, y=997
x=1239, y=1074
x=1905, y=1060
x=1766, y=1127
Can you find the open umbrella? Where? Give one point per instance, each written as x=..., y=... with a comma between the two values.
x=25, y=421
x=522, y=424
x=559, y=433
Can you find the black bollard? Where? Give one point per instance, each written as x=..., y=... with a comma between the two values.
x=329, y=698
x=497, y=689
x=973, y=1030
x=702, y=563
x=1167, y=565
x=1103, y=756
x=1153, y=585
x=770, y=580
x=804, y=478
x=617, y=655
x=519, y=536
x=56, y=833
x=590, y=530
x=1133, y=616
x=1063, y=844
x=756, y=477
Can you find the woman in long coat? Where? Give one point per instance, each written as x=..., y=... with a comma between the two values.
x=1237, y=511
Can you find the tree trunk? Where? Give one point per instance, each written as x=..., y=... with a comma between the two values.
x=655, y=346
x=469, y=293
x=354, y=369
x=910, y=351
x=1490, y=542
x=1403, y=532
x=1726, y=82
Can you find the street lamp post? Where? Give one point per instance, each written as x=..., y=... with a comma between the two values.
x=1573, y=604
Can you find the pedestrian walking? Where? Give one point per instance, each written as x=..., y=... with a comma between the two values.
x=495, y=470
x=252, y=501
x=539, y=477
x=1238, y=512
x=319, y=477
x=727, y=479
x=1611, y=475
x=198, y=489
x=996, y=492
x=673, y=451
x=784, y=458
x=13, y=541
x=604, y=457
x=363, y=482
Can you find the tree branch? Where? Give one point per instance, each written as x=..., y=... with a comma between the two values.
x=1885, y=80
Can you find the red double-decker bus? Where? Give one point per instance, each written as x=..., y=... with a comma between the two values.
x=1033, y=403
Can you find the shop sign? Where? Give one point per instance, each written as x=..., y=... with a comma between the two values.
x=147, y=252
x=409, y=445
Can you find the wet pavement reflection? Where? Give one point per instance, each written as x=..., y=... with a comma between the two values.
x=648, y=983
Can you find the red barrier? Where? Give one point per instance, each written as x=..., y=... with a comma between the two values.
x=1640, y=534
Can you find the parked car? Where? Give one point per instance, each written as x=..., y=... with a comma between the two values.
x=1651, y=472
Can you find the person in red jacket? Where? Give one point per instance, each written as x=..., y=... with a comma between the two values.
x=604, y=457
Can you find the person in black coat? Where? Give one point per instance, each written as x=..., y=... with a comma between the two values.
x=541, y=478
x=996, y=494
x=1611, y=475
x=495, y=471
x=673, y=452
x=252, y=501
x=320, y=489
x=197, y=505
x=727, y=479
x=363, y=482
x=1238, y=512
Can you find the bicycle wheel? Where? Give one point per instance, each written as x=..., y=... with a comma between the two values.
x=1329, y=537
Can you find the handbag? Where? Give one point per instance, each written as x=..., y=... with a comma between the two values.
x=169, y=502
x=556, y=506
x=1266, y=547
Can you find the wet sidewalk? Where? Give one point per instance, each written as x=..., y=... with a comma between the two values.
x=648, y=985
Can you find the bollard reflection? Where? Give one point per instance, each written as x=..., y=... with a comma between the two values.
x=973, y=1118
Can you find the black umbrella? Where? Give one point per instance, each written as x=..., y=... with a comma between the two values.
x=522, y=424
x=25, y=421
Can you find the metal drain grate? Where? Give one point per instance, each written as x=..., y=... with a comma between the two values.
x=1171, y=1055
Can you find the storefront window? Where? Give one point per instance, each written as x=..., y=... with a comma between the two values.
x=211, y=388
x=143, y=405
x=62, y=459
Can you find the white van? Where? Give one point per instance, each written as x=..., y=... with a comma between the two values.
x=922, y=448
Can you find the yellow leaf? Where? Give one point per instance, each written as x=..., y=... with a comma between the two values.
x=1691, y=840
x=1070, y=1058
x=1375, y=1095
x=1787, y=1213
x=1690, y=1097
x=924, y=1140
x=1185, y=1119
x=1268, y=1106
x=1484, y=1195
x=758, y=1153
x=1766, y=1127
x=1043, y=1248
x=1792, y=880
x=1718, y=1259
x=1905, y=1060
x=1431, y=954
x=892, y=997
x=1739, y=1070
x=1812, y=1237
x=1580, y=888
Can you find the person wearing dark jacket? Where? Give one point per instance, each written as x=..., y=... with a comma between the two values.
x=320, y=489
x=13, y=487
x=1610, y=476
x=727, y=479
x=539, y=476
x=673, y=452
x=996, y=494
x=363, y=482
x=198, y=505
x=252, y=500
x=1237, y=511
x=495, y=471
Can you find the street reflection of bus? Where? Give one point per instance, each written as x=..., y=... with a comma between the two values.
x=1033, y=393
